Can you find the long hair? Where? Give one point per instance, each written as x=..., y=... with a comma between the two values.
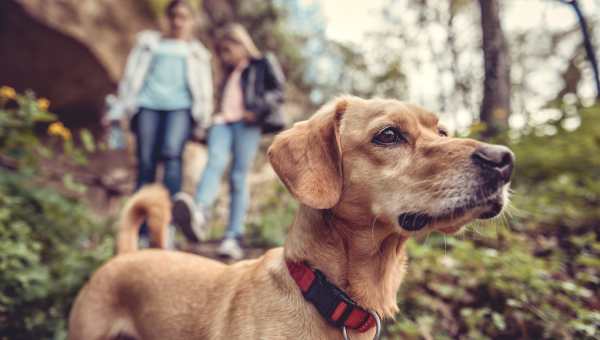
x=238, y=34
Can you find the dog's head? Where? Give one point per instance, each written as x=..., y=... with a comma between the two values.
x=393, y=162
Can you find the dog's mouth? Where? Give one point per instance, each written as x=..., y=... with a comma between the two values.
x=493, y=205
x=495, y=209
x=414, y=221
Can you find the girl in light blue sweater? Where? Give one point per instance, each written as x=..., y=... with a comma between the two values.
x=167, y=92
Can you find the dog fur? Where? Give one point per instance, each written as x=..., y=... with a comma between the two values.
x=352, y=191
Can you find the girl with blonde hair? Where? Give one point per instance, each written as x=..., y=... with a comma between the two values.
x=250, y=104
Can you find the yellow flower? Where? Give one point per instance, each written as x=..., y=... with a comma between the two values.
x=66, y=135
x=7, y=92
x=58, y=129
x=43, y=103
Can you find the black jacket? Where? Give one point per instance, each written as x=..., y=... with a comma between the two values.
x=263, y=84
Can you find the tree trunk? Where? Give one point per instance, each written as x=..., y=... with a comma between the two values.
x=495, y=106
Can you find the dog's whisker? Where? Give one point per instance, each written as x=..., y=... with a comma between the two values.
x=506, y=221
x=479, y=232
x=420, y=254
x=445, y=247
x=373, y=239
x=509, y=207
x=413, y=184
x=494, y=226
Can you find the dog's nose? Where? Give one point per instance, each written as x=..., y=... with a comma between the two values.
x=496, y=157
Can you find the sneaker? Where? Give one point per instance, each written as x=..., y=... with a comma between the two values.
x=193, y=222
x=230, y=247
x=144, y=242
x=170, y=241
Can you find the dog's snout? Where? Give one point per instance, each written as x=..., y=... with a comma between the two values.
x=496, y=157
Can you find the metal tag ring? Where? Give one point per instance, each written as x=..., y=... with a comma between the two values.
x=378, y=329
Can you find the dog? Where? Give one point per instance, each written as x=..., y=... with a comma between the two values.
x=369, y=174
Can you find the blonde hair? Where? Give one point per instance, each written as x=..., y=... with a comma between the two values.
x=238, y=34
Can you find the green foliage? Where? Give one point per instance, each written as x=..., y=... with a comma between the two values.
x=559, y=175
x=49, y=245
x=272, y=220
x=157, y=7
x=45, y=257
x=18, y=115
x=352, y=73
x=267, y=23
x=495, y=287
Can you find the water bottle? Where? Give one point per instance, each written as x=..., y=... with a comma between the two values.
x=115, y=140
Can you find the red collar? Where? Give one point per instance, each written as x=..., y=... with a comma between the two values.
x=330, y=301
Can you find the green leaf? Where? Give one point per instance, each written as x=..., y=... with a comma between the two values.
x=499, y=321
x=88, y=140
x=70, y=184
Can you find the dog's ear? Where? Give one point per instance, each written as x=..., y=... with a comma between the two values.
x=308, y=158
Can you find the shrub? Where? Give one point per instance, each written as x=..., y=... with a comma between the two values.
x=272, y=218
x=45, y=257
x=492, y=288
x=49, y=244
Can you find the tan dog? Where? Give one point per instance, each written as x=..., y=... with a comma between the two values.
x=368, y=174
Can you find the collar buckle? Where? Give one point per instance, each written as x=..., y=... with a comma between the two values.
x=331, y=302
x=340, y=310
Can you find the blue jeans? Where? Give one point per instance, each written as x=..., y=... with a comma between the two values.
x=161, y=136
x=242, y=141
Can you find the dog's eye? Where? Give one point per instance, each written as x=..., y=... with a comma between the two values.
x=388, y=136
x=443, y=133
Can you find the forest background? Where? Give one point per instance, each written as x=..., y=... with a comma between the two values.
x=506, y=71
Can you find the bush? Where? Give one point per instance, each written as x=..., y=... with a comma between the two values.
x=45, y=257
x=558, y=176
x=49, y=245
x=273, y=218
x=493, y=288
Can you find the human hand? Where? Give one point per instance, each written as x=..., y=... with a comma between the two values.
x=250, y=117
x=107, y=122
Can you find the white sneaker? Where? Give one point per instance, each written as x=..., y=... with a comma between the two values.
x=230, y=247
x=144, y=242
x=193, y=223
x=170, y=241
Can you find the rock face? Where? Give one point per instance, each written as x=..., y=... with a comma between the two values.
x=69, y=51
x=106, y=27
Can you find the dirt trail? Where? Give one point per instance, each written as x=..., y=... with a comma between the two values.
x=209, y=249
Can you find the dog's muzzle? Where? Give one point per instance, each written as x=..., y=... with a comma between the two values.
x=495, y=165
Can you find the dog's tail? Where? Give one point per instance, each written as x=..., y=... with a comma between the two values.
x=152, y=203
